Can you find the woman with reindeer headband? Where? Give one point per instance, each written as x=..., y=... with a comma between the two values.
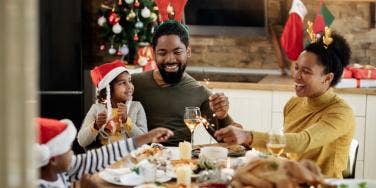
x=318, y=124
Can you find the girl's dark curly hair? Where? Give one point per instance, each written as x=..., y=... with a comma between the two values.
x=334, y=58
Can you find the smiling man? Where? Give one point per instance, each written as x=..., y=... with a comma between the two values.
x=166, y=91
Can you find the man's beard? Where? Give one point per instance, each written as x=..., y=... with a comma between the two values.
x=172, y=77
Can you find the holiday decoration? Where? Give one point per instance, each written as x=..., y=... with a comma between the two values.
x=123, y=24
x=124, y=49
x=145, y=12
x=145, y=57
x=102, y=47
x=113, y=18
x=129, y=1
x=136, y=4
x=171, y=9
x=292, y=35
x=323, y=18
x=101, y=21
x=139, y=24
x=117, y=28
x=112, y=50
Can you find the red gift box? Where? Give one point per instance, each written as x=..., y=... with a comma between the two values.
x=363, y=71
x=347, y=73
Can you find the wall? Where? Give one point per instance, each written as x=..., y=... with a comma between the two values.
x=352, y=19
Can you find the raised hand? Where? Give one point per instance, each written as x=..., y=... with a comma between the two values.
x=100, y=120
x=122, y=112
x=219, y=104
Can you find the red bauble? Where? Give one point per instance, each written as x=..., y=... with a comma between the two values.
x=136, y=4
x=113, y=18
x=119, y=53
x=135, y=37
x=102, y=47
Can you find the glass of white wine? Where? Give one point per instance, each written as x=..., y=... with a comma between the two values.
x=192, y=118
x=276, y=143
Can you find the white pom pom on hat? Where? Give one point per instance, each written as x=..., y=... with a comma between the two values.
x=55, y=138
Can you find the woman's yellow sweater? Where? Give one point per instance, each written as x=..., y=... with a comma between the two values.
x=320, y=129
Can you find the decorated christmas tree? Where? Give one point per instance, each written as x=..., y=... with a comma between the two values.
x=126, y=26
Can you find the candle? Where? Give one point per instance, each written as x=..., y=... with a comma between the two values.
x=185, y=150
x=183, y=175
x=227, y=172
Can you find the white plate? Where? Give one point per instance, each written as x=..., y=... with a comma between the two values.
x=129, y=179
x=351, y=183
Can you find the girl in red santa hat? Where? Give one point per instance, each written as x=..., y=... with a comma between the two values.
x=59, y=167
x=114, y=115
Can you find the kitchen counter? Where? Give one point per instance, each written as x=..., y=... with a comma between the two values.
x=281, y=83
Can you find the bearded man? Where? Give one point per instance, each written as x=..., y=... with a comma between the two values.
x=166, y=91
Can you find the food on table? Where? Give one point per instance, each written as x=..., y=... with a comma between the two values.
x=279, y=173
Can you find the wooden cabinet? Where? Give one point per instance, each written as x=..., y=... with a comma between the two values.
x=262, y=110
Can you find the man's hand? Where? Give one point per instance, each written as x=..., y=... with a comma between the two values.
x=232, y=134
x=100, y=120
x=122, y=112
x=219, y=104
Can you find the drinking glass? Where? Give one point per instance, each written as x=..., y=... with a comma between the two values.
x=276, y=142
x=192, y=118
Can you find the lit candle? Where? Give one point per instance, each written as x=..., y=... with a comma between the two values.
x=185, y=150
x=183, y=175
x=227, y=172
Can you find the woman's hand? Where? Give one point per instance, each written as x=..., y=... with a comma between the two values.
x=234, y=135
x=122, y=112
x=100, y=120
x=219, y=104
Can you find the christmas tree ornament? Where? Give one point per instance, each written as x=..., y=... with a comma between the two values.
x=117, y=28
x=120, y=2
x=136, y=4
x=102, y=47
x=119, y=53
x=131, y=15
x=101, y=21
x=113, y=18
x=129, y=1
x=144, y=55
x=135, y=37
x=153, y=16
x=124, y=49
x=112, y=50
x=139, y=24
x=155, y=8
x=143, y=61
x=145, y=12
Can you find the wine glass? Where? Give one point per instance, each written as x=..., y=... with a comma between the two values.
x=192, y=118
x=276, y=142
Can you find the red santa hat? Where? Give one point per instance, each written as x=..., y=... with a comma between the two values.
x=55, y=138
x=103, y=75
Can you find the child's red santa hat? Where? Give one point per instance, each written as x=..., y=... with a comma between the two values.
x=103, y=75
x=55, y=138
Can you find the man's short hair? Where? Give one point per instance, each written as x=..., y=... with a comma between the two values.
x=171, y=27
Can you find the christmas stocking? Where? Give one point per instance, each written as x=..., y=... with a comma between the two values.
x=292, y=35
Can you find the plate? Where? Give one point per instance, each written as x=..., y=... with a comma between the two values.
x=131, y=178
x=351, y=183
